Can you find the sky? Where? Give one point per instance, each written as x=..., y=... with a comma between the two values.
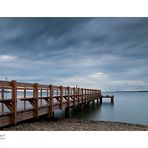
x=103, y=53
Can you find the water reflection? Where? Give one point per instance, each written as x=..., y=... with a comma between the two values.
x=92, y=112
x=130, y=107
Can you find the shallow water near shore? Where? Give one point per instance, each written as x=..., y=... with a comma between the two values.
x=129, y=107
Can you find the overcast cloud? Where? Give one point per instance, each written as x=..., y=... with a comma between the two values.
x=105, y=53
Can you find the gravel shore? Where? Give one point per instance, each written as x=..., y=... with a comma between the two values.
x=75, y=125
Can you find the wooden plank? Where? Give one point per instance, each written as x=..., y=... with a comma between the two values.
x=27, y=88
x=7, y=100
x=21, y=116
x=43, y=86
x=8, y=88
x=56, y=87
x=43, y=98
x=43, y=111
x=5, y=83
x=64, y=88
x=26, y=98
x=21, y=84
x=70, y=88
x=5, y=120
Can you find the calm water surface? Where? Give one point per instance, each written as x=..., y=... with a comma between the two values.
x=130, y=107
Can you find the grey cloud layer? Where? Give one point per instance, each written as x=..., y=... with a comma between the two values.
x=65, y=50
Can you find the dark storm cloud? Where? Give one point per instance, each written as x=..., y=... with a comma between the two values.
x=38, y=31
x=111, y=53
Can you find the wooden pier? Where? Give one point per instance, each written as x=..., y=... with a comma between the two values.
x=107, y=96
x=21, y=101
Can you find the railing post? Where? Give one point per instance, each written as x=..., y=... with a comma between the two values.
x=78, y=94
x=93, y=96
x=41, y=97
x=85, y=96
x=61, y=97
x=2, y=97
x=25, y=98
x=82, y=94
x=74, y=95
x=50, y=101
x=35, y=95
x=14, y=101
x=90, y=94
x=68, y=90
x=96, y=94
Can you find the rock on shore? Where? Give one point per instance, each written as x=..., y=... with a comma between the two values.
x=76, y=125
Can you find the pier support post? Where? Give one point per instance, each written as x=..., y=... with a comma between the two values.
x=93, y=102
x=100, y=100
x=79, y=107
x=97, y=101
x=67, y=112
x=14, y=101
x=87, y=104
x=52, y=114
x=112, y=100
x=75, y=108
x=85, y=107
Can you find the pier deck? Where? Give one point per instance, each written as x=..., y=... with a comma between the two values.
x=21, y=101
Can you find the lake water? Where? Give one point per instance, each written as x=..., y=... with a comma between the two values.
x=130, y=107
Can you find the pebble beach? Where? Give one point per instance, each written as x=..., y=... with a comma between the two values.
x=75, y=125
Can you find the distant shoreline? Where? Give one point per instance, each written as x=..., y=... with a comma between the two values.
x=76, y=125
x=124, y=91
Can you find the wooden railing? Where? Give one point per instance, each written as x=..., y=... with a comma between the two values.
x=21, y=101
